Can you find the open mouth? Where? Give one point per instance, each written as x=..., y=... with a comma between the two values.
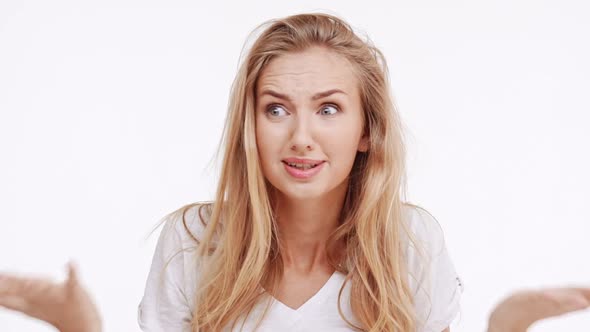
x=305, y=170
x=302, y=166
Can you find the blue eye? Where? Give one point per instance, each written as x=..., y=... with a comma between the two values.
x=276, y=110
x=329, y=109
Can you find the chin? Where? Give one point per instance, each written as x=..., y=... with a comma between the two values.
x=295, y=192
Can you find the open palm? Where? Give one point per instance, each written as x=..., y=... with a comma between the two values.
x=69, y=308
x=520, y=310
x=66, y=306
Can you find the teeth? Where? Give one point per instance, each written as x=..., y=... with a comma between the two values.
x=302, y=166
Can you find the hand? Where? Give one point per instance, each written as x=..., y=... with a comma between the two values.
x=66, y=306
x=520, y=310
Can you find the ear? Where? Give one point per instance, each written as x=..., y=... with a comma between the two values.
x=363, y=144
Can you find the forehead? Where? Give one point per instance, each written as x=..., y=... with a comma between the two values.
x=308, y=71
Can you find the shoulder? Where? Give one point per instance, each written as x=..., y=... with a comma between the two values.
x=424, y=245
x=186, y=225
x=423, y=229
x=433, y=279
x=170, y=289
x=180, y=234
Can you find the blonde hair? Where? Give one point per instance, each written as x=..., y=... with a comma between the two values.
x=240, y=248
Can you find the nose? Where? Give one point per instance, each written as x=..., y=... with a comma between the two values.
x=301, y=137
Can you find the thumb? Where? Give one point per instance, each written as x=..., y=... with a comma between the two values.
x=73, y=276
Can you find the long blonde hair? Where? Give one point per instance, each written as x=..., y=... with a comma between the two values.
x=240, y=247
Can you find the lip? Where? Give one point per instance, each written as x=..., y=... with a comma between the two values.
x=300, y=173
x=302, y=161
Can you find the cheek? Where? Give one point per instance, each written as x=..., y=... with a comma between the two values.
x=342, y=150
x=260, y=139
x=267, y=140
x=343, y=140
x=341, y=154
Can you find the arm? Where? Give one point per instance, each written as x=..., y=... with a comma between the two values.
x=67, y=306
x=520, y=310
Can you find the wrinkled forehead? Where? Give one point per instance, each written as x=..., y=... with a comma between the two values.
x=305, y=73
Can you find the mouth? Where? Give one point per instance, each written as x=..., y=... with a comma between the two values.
x=303, y=169
x=302, y=166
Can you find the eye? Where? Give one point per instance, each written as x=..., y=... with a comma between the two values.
x=276, y=110
x=329, y=109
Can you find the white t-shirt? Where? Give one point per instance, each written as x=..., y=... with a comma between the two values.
x=168, y=301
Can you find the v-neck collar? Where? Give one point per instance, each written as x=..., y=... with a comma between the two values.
x=313, y=302
x=281, y=317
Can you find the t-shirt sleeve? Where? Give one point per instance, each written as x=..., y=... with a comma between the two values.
x=433, y=278
x=165, y=305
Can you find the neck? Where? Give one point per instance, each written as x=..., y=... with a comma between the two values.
x=304, y=228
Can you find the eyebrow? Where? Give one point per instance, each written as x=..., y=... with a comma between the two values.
x=317, y=96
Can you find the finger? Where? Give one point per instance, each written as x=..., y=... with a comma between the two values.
x=72, y=272
x=12, y=285
x=585, y=291
x=565, y=300
x=24, y=287
x=73, y=282
x=583, y=294
x=14, y=303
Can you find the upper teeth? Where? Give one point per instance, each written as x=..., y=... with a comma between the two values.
x=304, y=166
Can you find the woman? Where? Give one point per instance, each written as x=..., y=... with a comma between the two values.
x=309, y=230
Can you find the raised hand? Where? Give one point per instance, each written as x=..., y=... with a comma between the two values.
x=67, y=306
x=520, y=310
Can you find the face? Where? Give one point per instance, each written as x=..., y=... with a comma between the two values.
x=309, y=123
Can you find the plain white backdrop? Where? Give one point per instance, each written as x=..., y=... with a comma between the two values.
x=110, y=112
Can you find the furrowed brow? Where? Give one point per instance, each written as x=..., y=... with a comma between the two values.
x=324, y=94
x=275, y=94
x=317, y=96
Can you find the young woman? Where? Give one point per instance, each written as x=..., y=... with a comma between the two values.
x=309, y=230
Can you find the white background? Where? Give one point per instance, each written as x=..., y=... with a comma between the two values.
x=112, y=110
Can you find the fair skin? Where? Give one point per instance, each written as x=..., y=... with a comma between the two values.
x=521, y=309
x=308, y=106
x=305, y=127
x=67, y=306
